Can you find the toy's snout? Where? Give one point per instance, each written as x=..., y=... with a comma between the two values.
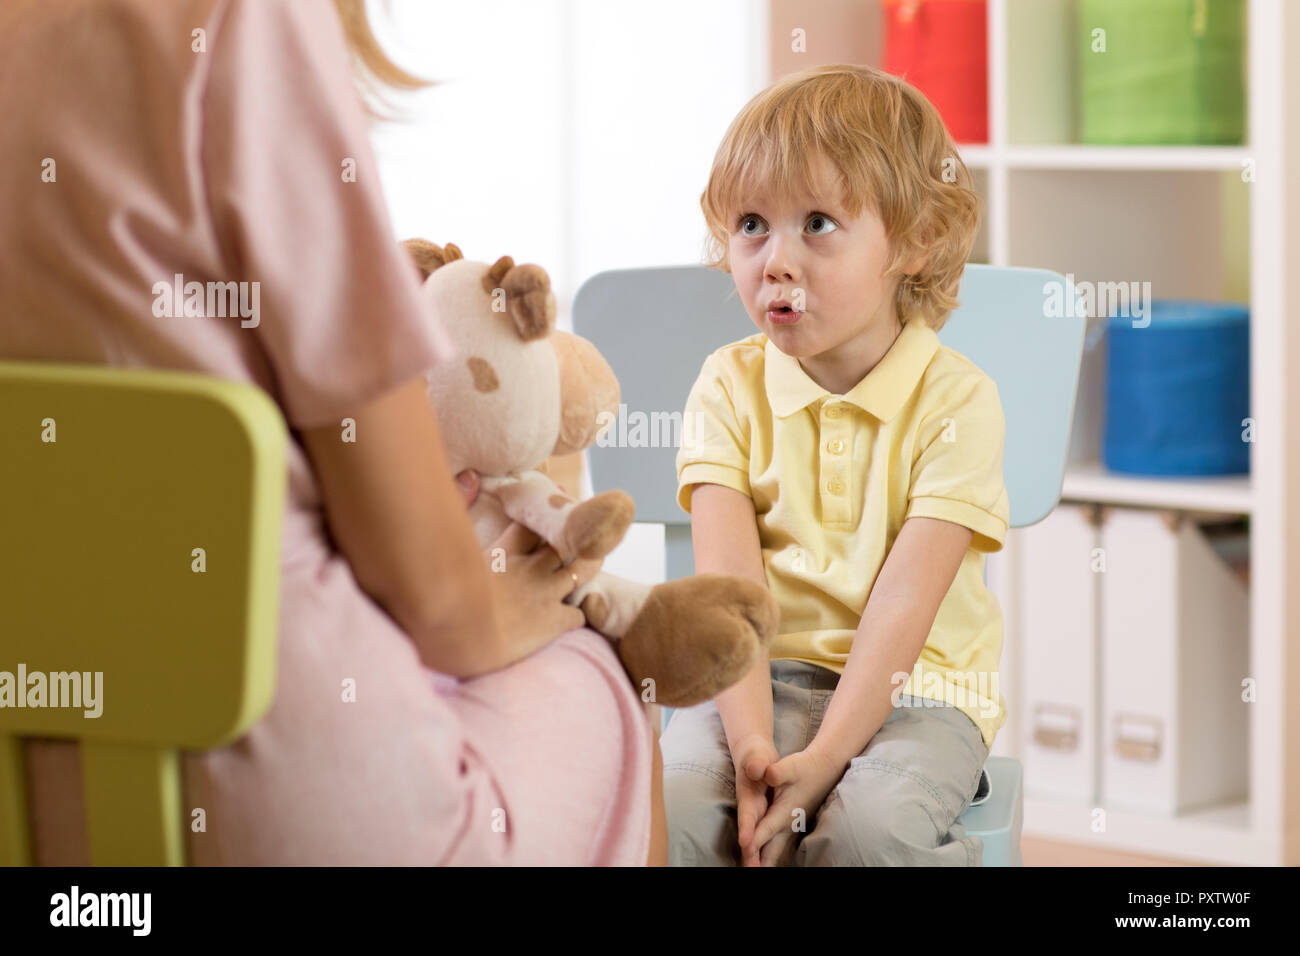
x=589, y=392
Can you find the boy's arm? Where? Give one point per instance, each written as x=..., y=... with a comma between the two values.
x=900, y=611
x=724, y=533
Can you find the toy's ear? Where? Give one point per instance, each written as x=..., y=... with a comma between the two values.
x=429, y=256
x=528, y=296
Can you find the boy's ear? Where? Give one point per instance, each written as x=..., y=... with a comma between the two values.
x=918, y=262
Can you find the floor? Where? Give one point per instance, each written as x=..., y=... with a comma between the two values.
x=1039, y=852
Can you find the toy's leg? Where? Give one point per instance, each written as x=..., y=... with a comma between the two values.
x=696, y=636
x=611, y=603
x=586, y=529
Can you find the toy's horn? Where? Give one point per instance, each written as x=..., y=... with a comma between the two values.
x=496, y=272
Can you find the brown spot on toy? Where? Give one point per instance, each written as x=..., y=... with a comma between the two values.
x=557, y=501
x=485, y=376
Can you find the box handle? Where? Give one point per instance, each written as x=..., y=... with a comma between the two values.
x=1138, y=737
x=1056, y=726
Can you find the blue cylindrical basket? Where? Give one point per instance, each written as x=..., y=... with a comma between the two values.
x=1177, y=391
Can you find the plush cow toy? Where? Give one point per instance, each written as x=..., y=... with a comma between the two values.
x=520, y=391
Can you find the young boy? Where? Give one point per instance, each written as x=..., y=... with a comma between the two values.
x=853, y=464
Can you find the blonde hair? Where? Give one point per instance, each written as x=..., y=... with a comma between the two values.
x=892, y=151
x=373, y=70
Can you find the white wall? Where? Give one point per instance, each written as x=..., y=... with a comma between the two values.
x=481, y=162
x=572, y=133
x=577, y=134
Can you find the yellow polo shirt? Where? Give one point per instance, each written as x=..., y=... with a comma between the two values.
x=833, y=478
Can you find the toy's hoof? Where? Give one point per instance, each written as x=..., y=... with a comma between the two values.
x=697, y=636
x=596, y=526
x=596, y=609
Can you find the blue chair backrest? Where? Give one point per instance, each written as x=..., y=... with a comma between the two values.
x=655, y=327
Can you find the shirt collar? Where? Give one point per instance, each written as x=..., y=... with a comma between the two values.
x=882, y=392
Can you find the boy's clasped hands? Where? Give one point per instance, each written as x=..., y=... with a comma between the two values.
x=770, y=833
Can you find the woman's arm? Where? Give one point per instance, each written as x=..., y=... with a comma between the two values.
x=399, y=518
x=725, y=537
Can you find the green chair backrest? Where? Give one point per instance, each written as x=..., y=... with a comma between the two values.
x=140, y=516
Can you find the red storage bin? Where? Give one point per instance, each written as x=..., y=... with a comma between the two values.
x=941, y=48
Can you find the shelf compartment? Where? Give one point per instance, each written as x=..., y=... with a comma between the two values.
x=1175, y=647
x=1041, y=45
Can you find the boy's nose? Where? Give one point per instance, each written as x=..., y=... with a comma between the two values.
x=781, y=265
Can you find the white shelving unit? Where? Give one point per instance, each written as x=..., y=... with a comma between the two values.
x=1184, y=219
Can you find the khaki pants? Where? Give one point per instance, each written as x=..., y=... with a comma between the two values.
x=896, y=805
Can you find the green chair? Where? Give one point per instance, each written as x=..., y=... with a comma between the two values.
x=656, y=326
x=140, y=518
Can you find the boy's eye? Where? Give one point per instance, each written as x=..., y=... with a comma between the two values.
x=819, y=219
x=820, y=224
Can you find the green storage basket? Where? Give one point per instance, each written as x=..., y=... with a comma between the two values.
x=1171, y=73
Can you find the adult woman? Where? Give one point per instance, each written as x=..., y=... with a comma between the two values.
x=425, y=710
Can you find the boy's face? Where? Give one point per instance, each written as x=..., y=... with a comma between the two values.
x=827, y=266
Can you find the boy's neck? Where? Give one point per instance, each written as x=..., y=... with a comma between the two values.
x=840, y=370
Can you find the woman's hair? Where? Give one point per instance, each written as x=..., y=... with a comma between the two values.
x=374, y=71
x=893, y=154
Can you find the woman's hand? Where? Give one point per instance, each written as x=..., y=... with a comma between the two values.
x=468, y=481
x=529, y=586
x=752, y=757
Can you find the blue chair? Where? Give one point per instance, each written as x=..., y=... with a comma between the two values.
x=655, y=326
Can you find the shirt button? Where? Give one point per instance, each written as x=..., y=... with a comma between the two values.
x=835, y=446
x=834, y=411
x=835, y=486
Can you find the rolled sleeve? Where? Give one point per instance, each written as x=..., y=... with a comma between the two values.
x=715, y=444
x=342, y=318
x=958, y=475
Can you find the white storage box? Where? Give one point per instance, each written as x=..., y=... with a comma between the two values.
x=1175, y=648
x=1059, y=622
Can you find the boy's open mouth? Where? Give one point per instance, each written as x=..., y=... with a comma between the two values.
x=783, y=315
